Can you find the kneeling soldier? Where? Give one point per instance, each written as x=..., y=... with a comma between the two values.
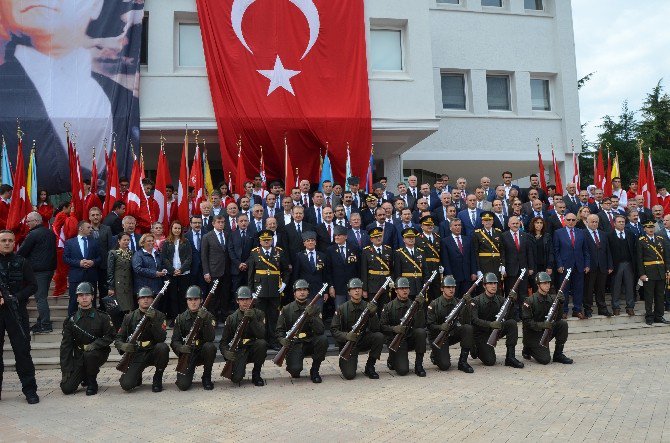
x=535, y=310
x=461, y=330
x=203, y=351
x=85, y=346
x=370, y=338
x=485, y=308
x=415, y=334
x=150, y=349
x=253, y=347
x=311, y=340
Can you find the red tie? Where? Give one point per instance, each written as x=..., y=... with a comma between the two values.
x=595, y=235
x=516, y=241
x=460, y=245
x=330, y=232
x=572, y=238
x=562, y=221
x=304, y=201
x=328, y=201
x=234, y=225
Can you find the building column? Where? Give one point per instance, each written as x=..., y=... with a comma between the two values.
x=393, y=171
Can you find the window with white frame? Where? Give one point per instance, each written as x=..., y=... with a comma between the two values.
x=386, y=50
x=191, y=50
x=539, y=94
x=494, y=3
x=533, y=5
x=497, y=92
x=448, y=2
x=453, y=90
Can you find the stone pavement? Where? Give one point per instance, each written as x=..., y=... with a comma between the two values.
x=616, y=391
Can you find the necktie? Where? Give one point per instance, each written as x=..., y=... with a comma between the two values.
x=473, y=217
x=271, y=212
x=358, y=238
x=572, y=238
x=299, y=229
x=328, y=201
x=318, y=215
x=611, y=217
x=197, y=241
x=562, y=221
x=414, y=193
x=516, y=241
x=267, y=254
x=596, y=238
x=379, y=251
x=621, y=235
x=242, y=234
x=330, y=232
x=221, y=238
x=458, y=242
x=96, y=233
x=85, y=247
x=259, y=226
x=479, y=205
x=132, y=242
x=344, y=257
x=347, y=211
x=311, y=259
x=305, y=201
x=234, y=224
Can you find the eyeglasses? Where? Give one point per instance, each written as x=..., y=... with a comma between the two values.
x=570, y=219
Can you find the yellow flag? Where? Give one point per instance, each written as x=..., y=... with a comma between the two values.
x=31, y=181
x=209, y=186
x=615, y=166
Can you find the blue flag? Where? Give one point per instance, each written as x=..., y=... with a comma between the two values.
x=6, y=169
x=326, y=172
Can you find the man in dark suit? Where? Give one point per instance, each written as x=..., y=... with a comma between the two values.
x=294, y=232
x=390, y=237
x=82, y=255
x=325, y=232
x=458, y=257
x=340, y=219
x=601, y=266
x=314, y=213
x=470, y=217
x=344, y=260
x=556, y=219
x=216, y=265
x=440, y=212
x=240, y=243
x=347, y=203
x=404, y=223
x=278, y=237
x=572, y=252
x=633, y=225
x=113, y=219
x=489, y=191
x=597, y=205
x=431, y=197
x=103, y=235
x=357, y=235
x=194, y=236
x=356, y=193
x=409, y=199
x=500, y=220
x=256, y=223
x=623, y=246
x=368, y=211
x=606, y=216
x=571, y=198
x=534, y=185
x=518, y=255
x=311, y=265
x=207, y=217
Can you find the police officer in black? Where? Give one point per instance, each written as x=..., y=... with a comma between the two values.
x=311, y=340
x=150, y=349
x=408, y=262
x=461, y=330
x=85, y=345
x=376, y=265
x=203, y=350
x=253, y=348
x=415, y=333
x=534, y=314
x=370, y=339
x=485, y=308
x=18, y=283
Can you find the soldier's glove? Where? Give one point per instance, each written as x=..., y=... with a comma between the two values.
x=420, y=299
x=399, y=329
x=127, y=347
x=150, y=314
x=284, y=341
x=88, y=347
x=513, y=295
x=249, y=313
x=230, y=355
x=546, y=325
x=445, y=327
x=495, y=325
x=467, y=298
x=311, y=310
x=351, y=336
x=184, y=349
x=202, y=312
x=560, y=298
x=372, y=308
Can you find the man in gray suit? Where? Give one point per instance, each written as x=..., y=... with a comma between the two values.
x=103, y=234
x=216, y=265
x=482, y=202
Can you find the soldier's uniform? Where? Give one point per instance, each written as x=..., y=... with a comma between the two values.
x=310, y=340
x=653, y=261
x=85, y=346
x=488, y=248
x=203, y=350
x=431, y=256
x=461, y=329
x=415, y=336
x=370, y=338
x=534, y=313
x=376, y=267
x=151, y=349
x=409, y=264
x=253, y=347
x=270, y=270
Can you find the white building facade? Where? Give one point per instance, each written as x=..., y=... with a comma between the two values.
x=463, y=87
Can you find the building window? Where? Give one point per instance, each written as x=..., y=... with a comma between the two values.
x=534, y=5
x=448, y=2
x=191, y=51
x=144, y=45
x=495, y=3
x=453, y=91
x=497, y=92
x=386, y=50
x=539, y=94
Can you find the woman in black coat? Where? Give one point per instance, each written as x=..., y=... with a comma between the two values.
x=543, y=247
x=177, y=258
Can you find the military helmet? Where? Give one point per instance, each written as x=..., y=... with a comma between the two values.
x=243, y=292
x=145, y=292
x=84, y=288
x=490, y=277
x=402, y=282
x=448, y=281
x=194, y=292
x=300, y=284
x=355, y=283
x=543, y=277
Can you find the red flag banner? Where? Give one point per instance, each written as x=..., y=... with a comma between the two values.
x=291, y=67
x=651, y=184
x=138, y=206
x=159, y=189
x=642, y=188
x=608, y=176
x=543, y=179
x=112, y=183
x=600, y=171
x=20, y=204
x=557, y=174
x=182, y=189
x=196, y=181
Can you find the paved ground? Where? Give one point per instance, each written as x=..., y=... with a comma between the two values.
x=615, y=391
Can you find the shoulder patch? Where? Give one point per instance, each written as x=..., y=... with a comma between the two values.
x=278, y=248
x=256, y=249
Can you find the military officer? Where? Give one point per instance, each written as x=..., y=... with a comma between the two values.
x=85, y=345
x=415, y=334
x=430, y=241
x=268, y=267
x=460, y=331
x=310, y=340
x=253, y=347
x=150, y=349
x=203, y=350
x=487, y=244
x=370, y=339
x=485, y=308
x=654, y=265
x=408, y=262
x=376, y=265
x=534, y=314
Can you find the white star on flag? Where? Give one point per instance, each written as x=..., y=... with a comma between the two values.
x=279, y=76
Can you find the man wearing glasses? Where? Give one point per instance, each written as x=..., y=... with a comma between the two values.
x=571, y=252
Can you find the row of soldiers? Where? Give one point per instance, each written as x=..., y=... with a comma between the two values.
x=89, y=334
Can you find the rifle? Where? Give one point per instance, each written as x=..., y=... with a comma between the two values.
x=362, y=321
x=139, y=329
x=234, y=344
x=409, y=315
x=184, y=361
x=11, y=303
x=504, y=309
x=296, y=329
x=548, y=334
x=453, y=315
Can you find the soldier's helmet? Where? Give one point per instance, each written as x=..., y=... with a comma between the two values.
x=145, y=292
x=300, y=284
x=543, y=277
x=243, y=292
x=355, y=283
x=490, y=277
x=402, y=282
x=194, y=292
x=448, y=281
x=84, y=288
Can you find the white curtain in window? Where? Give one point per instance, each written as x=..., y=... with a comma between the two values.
x=539, y=94
x=385, y=50
x=191, y=51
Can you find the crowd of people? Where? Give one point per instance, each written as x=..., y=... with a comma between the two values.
x=284, y=245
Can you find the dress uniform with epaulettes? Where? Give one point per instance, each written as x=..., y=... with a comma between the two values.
x=409, y=264
x=376, y=267
x=653, y=261
x=431, y=256
x=489, y=248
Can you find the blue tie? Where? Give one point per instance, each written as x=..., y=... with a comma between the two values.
x=85, y=246
x=311, y=260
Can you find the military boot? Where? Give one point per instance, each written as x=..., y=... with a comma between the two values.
x=91, y=386
x=510, y=359
x=207, y=383
x=418, y=366
x=370, y=371
x=525, y=353
x=314, y=372
x=157, y=384
x=256, y=378
x=463, y=362
x=559, y=357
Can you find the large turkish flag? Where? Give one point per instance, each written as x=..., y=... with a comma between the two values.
x=289, y=67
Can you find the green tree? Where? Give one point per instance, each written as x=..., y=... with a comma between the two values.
x=654, y=131
x=620, y=137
